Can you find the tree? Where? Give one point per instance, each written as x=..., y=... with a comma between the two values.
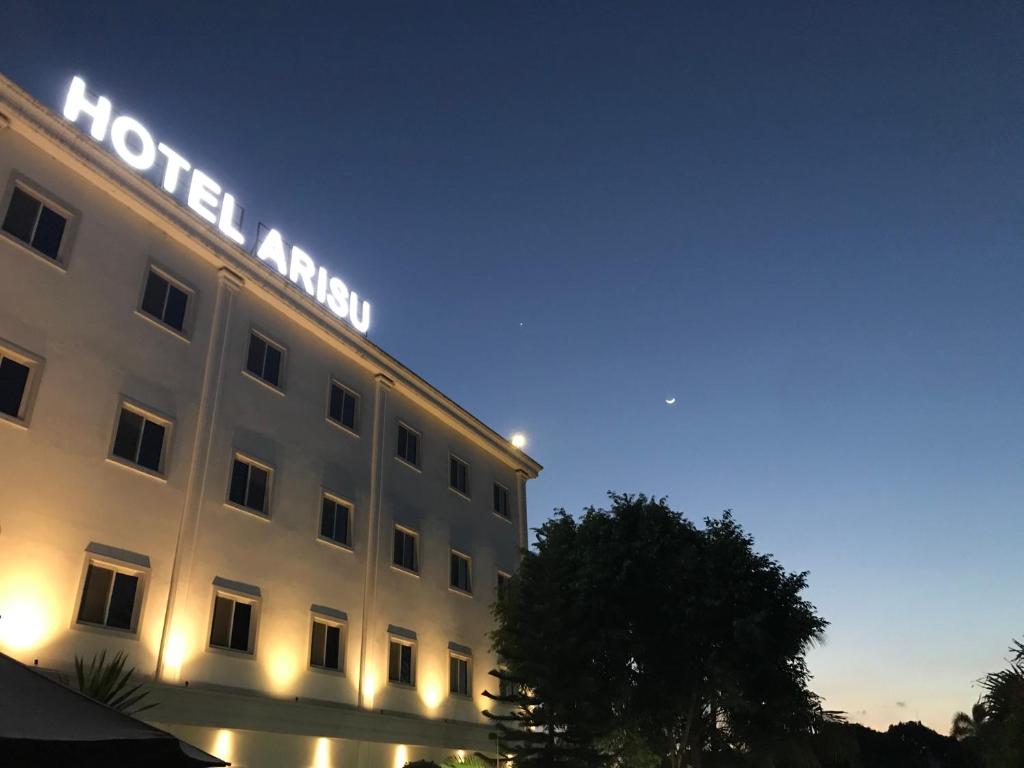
x=634, y=631
x=108, y=683
x=966, y=727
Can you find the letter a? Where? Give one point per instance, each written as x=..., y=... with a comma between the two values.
x=272, y=249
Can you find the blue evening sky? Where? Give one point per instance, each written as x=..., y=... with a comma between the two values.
x=801, y=220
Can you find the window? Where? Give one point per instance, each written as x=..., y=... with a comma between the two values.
x=34, y=223
x=233, y=624
x=408, y=445
x=458, y=675
x=250, y=485
x=460, y=572
x=501, y=499
x=264, y=359
x=110, y=598
x=16, y=378
x=140, y=439
x=327, y=647
x=165, y=301
x=400, y=662
x=405, y=549
x=342, y=407
x=335, y=519
x=502, y=583
x=458, y=475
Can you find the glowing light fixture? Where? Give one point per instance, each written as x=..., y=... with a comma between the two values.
x=322, y=754
x=519, y=440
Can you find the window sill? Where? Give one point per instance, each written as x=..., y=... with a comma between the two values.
x=339, y=426
x=409, y=464
x=335, y=544
x=327, y=671
x=460, y=696
x=125, y=464
x=460, y=591
x=406, y=571
x=57, y=264
x=14, y=421
x=503, y=518
x=265, y=517
x=402, y=686
x=460, y=494
x=179, y=335
x=263, y=382
x=105, y=631
x=231, y=652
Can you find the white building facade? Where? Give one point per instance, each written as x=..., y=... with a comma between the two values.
x=296, y=538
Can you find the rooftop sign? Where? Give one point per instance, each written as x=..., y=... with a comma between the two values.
x=207, y=199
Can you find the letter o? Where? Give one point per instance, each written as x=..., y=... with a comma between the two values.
x=141, y=160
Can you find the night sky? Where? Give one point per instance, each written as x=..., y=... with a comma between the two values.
x=803, y=221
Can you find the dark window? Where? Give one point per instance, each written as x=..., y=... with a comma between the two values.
x=232, y=624
x=502, y=584
x=460, y=572
x=458, y=475
x=34, y=223
x=400, y=663
x=264, y=359
x=108, y=598
x=249, y=486
x=342, y=408
x=139, y=440
x=326, y=650
x=13, y=383
x=405, y=549
x=501, y=499
x=458, y=675
x=408, y=445
x=164, y=301
x=334, y=520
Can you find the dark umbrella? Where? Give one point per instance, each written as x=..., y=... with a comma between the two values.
x=44, y=723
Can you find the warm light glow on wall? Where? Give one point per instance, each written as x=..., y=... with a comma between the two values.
x=175, y=653
x=431, y=692
x=369, y=686
x=224, y=745
x=29, y=614
x=282, y=669
x=322, y=753
x=401, y=756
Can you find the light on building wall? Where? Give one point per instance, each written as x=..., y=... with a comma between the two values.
x=518, y=440
x=28, y=611
x=401, y=756
x=322, y=753
x=224, y=745
x=283, y=669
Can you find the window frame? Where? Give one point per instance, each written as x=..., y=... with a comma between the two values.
x=230, y=590
x=417, y=554
x=456, y=553
x=147, y=414
x=268, y=495
x=418, y=466
x=113, y=559
x=333, y=382
x=507, y=515
x=406, y=642
x=35, y=365
x=456, y=459
x=454, y=655
x=278, y=388
x=316, y=615
x=499, y=576
x=326, y=493
x=72, y=217
x=185, y=334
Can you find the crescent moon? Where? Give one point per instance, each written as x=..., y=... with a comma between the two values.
x=670, y=401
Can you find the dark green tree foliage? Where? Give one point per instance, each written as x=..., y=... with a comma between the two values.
x=633, y=630
x=994, y=731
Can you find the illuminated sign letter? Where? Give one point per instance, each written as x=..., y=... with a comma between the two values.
x=76, y=103
x=173, y=167
x=302, y=268
x=141, y=160
x=337, y=299
x=362, y=324
x=272, y=250
x=227, y=219
x=202, y=195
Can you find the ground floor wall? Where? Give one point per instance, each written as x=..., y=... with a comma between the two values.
x=253, y=731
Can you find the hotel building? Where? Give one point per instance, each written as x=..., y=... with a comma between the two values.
x=294, y=538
